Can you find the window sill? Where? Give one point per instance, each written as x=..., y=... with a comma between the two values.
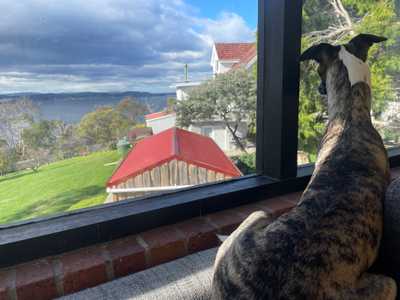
x=70, y=272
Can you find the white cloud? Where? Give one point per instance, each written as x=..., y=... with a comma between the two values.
x=228, y=27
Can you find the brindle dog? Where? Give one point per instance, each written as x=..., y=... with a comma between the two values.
x=323, y=248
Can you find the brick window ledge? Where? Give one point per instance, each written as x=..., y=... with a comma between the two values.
x=73, y=271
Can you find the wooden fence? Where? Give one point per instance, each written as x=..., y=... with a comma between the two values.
x=172, y=173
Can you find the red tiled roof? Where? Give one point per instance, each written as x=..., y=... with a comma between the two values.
x=173, y=143
x=157, y=115
x=247, y=57
x=232, y=51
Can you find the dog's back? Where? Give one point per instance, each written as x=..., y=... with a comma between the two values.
x=324, y=246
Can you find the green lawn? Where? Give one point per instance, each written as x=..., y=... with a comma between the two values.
x=65, y=185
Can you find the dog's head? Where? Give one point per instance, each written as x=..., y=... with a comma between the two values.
x=353, y=55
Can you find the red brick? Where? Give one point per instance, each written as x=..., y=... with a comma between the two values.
x=277, y=206
x=35, y=280
x=3, y=293
x=7, y=279
x=164, y=244
x=127, y=256
x=226, y=221
x=199, y=234
x=247, y=210
x=293, y=197
x=82, y=269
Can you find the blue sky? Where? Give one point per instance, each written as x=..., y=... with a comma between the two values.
x=211, y=9
x=114, y=45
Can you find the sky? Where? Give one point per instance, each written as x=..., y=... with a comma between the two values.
x=114, y=45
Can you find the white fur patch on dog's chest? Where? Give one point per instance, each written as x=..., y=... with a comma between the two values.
x=357, y=69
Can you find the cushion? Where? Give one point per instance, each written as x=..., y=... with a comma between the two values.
x=185, y=278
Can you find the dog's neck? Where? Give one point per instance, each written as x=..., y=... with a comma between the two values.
x=347, y=100
x=348, y=106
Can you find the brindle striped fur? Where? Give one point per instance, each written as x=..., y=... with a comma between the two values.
x=323, y=248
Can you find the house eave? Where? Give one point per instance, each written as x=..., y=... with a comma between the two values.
x=162, y=117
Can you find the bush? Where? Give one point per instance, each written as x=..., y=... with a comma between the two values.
x=246, y=163
x=8, y=159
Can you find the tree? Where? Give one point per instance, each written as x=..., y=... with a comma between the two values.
x=337, y=21
x=40, y=135
x=171, y=104
x=15, y=115
x=104, y=126
x=39, y=142
x=7, y=160
x=131, y=109
x=68, y=141
x=230, y=97
x=390, y=129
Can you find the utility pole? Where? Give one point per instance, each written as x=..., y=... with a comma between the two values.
x=186, y=73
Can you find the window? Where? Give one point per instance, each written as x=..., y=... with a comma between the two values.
x=326, y=21
x=279, y=43
x=207, y=131
x=99, y=107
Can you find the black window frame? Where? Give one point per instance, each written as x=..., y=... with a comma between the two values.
x=279, y=42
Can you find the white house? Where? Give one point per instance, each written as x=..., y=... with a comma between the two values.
x=219, y=132
x=228, y=56
x=215, y=129
x=183, y=89
x=225, y=57
x=160, y=121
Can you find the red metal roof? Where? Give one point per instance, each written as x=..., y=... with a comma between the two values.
x=173, y=143
x=232, y=51
x=157, y=115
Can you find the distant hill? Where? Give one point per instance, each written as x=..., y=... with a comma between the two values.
x=70, y=107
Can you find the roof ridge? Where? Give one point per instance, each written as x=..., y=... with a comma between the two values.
x=235, y=43
x=175, y=145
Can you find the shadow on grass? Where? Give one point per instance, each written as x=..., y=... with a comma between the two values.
x=13, y=176
x=56, y=204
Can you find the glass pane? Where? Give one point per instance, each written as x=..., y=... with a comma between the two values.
x=337, y=22
x=106, y=100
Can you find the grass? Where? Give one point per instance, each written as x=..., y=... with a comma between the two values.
x=61, y=186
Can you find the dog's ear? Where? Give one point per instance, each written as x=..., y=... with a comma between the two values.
x=321, y=53
x=360, y=44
